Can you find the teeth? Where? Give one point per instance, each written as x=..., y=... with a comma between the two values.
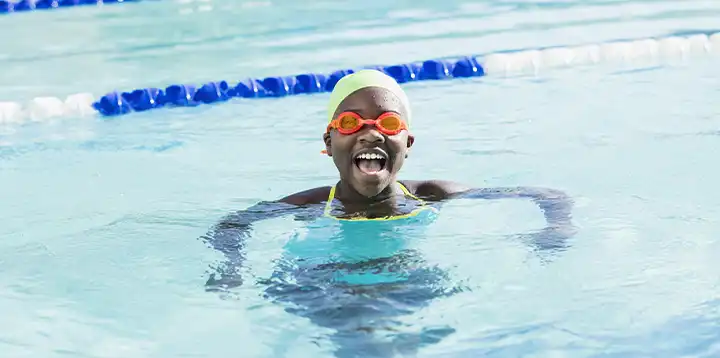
x=369, y=156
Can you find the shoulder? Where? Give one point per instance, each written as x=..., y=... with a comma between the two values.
x=434, y=190
x=308, y=197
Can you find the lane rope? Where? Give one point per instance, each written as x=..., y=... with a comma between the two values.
x=10, y=7
x=117, y=103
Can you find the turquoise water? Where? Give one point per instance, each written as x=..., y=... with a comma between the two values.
x=101, y=219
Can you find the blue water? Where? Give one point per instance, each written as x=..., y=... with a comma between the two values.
x=101, y=219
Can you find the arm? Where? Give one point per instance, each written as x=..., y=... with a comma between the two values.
x=555, y=204
x=230, y=234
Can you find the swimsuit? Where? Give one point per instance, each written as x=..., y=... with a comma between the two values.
x=423, y=206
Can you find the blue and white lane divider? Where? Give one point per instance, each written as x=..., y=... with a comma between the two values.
x=12, y=6
x=642, y=51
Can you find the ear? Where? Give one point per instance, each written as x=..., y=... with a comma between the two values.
x=410, y=142
x=328, y=142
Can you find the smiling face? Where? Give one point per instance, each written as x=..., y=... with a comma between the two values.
x=369, y=160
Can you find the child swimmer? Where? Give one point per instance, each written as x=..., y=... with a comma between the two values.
x=368, y=139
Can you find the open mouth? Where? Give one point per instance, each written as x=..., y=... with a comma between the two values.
x=370, y=162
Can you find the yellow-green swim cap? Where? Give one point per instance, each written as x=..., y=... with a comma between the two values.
x=362, y=79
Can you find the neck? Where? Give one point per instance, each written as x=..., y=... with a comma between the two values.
x=345, y=192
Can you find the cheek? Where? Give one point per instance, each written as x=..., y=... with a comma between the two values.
x=399, y=144
x=341, y=147
x=399, y=147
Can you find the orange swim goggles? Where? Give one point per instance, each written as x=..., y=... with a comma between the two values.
x=388, y=123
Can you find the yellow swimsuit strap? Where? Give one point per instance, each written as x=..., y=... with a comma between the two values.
x=331, y=197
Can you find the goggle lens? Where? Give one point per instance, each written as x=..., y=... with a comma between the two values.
x=390, y=123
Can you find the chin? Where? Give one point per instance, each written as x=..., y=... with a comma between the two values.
x=371, y=187
x=371, y=184
x=369, y=192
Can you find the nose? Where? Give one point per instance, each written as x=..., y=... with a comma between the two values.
x=371, y=136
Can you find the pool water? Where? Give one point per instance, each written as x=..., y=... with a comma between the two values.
x=102, y=220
